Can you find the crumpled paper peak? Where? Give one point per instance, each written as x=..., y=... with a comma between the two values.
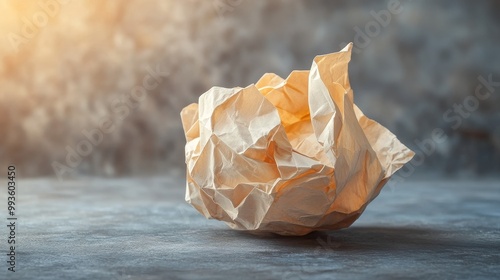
x=288, y=156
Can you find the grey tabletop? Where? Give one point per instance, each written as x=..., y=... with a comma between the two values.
x=141, y=228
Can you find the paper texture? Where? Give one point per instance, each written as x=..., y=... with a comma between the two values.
x=288, y=156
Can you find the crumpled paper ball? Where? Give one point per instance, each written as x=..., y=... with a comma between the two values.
x=287, y=156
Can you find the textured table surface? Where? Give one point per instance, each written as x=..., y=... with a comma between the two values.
x=142, y=229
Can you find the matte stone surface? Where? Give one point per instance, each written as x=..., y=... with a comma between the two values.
x=143, y=229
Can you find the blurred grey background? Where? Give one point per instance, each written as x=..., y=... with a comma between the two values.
x=69, y=68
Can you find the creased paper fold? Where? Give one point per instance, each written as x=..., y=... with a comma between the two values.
x=288, y=156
